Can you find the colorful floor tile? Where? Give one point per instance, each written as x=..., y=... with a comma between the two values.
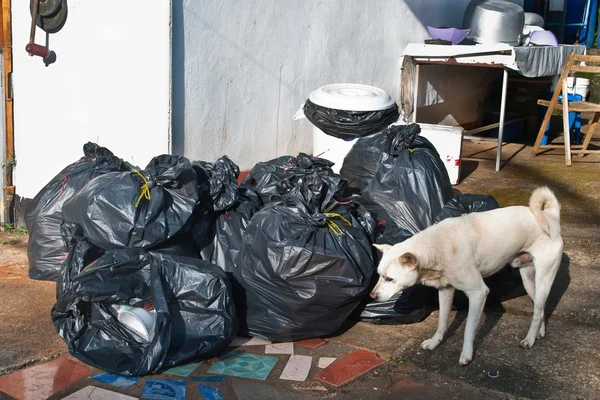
x=217, y=379
x=43, y=380
x=297, y=368
x=116, y=380
x=209, y=392
x=350, y=367
x=325, y=362
x=164, y=389
x=96, y=393
x=311, y=343
x=280, y=348
x=183, y=370
x=247, y=365
x=244, y=341
x=231, y=354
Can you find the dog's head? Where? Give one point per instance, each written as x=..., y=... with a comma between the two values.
x=397, y=271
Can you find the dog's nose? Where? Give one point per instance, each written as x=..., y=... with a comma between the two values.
x=373, y=295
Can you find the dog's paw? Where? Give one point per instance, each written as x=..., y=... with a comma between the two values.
x=430, y=344
x=464, y=359
x=526, y=343
x=542, y=333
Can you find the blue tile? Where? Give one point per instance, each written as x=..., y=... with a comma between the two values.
x=116, y=380
x=247, y=365
x=208, y=378
x=231, y=354
x=183, y=370
x=209, y=392
x=164, y=389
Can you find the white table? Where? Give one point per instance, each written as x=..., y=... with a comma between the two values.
x=528, y=61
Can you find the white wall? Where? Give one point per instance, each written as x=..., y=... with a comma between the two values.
x=110, y=83
x=241, y=69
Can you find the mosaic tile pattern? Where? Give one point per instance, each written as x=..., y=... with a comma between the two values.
x=116, y=380
x=311, y=343
x=254, y=366
x=209, y=392
x=96, y=393
x=164, y=389
x=297, y=368
x=350, y=367
x=43, y=380
x=183, y=370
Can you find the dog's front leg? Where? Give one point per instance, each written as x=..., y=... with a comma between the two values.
x=476, y=303
x=446, y=295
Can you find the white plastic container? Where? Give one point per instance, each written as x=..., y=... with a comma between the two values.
x=348, y=97
x=578, y=86
x=447, y=140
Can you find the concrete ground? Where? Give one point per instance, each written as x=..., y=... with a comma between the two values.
x=564, y=365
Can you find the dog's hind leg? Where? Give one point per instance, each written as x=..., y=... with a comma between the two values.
x=546, y=268
x=446, y=295
x=476, y=303
x=528, y=278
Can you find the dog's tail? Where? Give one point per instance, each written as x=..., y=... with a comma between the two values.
x=546, y=209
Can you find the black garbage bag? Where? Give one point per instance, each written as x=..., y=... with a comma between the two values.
x=233, y=206
x=409, y=306
x=272, y=179
x=368, y=153
x=411, y=185
x=306, y=264
x=43, y=216
x=349, y=124
x=504, y=285
x=194, y=313
x=137, y=208
x=81, y=254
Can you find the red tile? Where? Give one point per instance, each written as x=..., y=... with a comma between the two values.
x=42, y=381
x=349, y=367
x=311, y=343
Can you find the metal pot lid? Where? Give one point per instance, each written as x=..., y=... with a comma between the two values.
x=352, y=97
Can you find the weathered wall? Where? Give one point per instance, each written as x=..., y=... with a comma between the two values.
x=110, y=83
x=241, y=69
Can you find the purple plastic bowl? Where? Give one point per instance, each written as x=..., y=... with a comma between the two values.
x=450, y=34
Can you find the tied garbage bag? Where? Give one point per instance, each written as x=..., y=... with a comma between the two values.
x=306, y=264
x=137, y=208
x=411, y=185
x=234, y=207
x=43, y=216
x=462, y=203
x=189, y=301
x=368, y=153
x=272, y=179
x=348, y=125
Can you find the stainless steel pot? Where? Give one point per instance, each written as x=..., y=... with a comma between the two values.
x=494, y=21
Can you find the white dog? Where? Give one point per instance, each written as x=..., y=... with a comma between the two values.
x=458, y=253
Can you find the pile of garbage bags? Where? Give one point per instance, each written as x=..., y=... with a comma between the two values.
x=166, y=264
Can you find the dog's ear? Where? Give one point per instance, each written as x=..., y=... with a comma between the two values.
x=408, y=260
x=382, y=247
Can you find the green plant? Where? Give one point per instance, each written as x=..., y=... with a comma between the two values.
x=398, y=359
x=10, y=228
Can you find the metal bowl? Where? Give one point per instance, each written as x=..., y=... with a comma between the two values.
x=494, y=21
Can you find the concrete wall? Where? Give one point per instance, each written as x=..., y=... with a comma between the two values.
x=242, y=68
x=110, y=83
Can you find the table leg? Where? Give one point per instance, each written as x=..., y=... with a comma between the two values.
x=416, y=93
x=502, y=115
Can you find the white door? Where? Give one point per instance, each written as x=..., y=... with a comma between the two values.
x=110, y=84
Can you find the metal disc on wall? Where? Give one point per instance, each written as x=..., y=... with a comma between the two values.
x=54, y=23
x=47, y=8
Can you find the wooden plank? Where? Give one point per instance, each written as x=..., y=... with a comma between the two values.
x=6, y=44
x=590, y=132
x=566, y=125
x=552, y=104
x=586, y=68
x=587, y=58
x=492, y=126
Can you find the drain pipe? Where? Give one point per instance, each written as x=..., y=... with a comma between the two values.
x=3, y=161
